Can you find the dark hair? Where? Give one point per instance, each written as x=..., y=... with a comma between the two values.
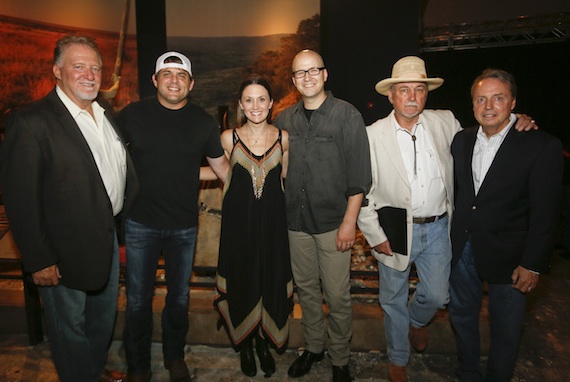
x=63, y=43
x=499, y=74
x=174, y=59
x=253, y=80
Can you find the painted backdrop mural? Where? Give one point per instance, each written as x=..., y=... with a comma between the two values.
x=29, y=30
x=225, y=41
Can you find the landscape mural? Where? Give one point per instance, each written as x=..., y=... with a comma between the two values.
x=223, y=46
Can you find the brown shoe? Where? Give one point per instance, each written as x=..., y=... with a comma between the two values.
x=178, y=370
x=419, y=338
x=397, y=373
x=112, y=376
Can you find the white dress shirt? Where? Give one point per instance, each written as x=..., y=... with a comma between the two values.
x=484, y=152
x=106, y=148
x=424, y=176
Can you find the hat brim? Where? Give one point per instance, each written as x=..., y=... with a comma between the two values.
x=384, y=86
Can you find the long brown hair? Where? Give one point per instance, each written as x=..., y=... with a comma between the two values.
x=253, y=80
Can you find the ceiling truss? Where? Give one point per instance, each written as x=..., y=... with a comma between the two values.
x=520, y=31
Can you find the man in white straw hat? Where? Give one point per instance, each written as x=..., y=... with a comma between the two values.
x=412, y=179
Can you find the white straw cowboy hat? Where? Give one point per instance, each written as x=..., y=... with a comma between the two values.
x=408, y=69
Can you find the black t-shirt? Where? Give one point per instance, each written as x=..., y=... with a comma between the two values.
x=167, y=147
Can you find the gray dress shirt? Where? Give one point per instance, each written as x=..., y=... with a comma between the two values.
x=329, y=160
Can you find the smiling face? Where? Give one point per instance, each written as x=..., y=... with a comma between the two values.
x=493, y=102
x=310, y=87
x=255, y=103
x=78, y=74
x=173, y=86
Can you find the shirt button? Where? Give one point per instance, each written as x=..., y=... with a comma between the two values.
x=473, y=208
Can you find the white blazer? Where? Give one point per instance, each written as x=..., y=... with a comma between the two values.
x=390, y=186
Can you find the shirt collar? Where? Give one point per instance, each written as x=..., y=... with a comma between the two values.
x=325, y=106
x=75, y=110
x=397, y=126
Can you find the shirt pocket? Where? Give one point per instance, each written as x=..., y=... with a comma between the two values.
x=325, y=149
x=432, y=166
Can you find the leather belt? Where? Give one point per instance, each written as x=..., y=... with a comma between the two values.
x=429, y=219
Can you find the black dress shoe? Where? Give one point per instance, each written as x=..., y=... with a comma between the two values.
x=303, y=363
x=247, y=360
x=341, y=374
x=265, y=358
x=178, y=370
x=139, y=377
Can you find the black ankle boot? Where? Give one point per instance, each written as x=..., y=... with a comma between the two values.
x=265, y=358
x=247, y=360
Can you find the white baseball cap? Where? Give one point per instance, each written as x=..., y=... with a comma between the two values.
x=185, y=65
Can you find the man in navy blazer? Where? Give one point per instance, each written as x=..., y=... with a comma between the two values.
x=507, y=198
x=65, y=177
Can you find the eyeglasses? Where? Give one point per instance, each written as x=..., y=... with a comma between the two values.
x=312, y=72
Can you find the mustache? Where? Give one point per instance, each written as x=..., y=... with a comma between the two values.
x=412, y=103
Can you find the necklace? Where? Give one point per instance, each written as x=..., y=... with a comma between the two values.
x=251, y=137
x=413, y=136
x=257, y=172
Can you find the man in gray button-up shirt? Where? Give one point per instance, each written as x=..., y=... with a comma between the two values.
x=328, y=176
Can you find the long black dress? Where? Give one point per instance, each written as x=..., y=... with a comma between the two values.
x=254, y=283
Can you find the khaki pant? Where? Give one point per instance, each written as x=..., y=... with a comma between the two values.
x=316, y=263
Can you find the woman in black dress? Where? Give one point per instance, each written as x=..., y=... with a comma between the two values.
x=254, y=283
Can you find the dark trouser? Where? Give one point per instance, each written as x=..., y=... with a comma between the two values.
x=144, y=245
x=506, y=311
x=80, y=326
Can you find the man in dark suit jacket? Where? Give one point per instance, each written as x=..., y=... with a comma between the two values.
x=508, y=189
x=65, y=176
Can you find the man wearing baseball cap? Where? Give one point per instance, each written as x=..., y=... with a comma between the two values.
x=412, y=177
x=167, y=136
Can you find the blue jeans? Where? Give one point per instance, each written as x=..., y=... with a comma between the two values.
x=144, y=246
x=431, y=252
x=506, y=311
x=80, y=326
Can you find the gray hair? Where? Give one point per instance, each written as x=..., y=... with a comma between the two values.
x=66, y=41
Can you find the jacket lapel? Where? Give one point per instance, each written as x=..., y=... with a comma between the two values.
x=506, y=151
x=392, y=147
x=468, y=158
x=69, y=125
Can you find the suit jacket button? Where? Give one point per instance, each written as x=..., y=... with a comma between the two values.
x=473, y=207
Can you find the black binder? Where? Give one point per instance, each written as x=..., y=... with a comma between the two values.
x=393, y=222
